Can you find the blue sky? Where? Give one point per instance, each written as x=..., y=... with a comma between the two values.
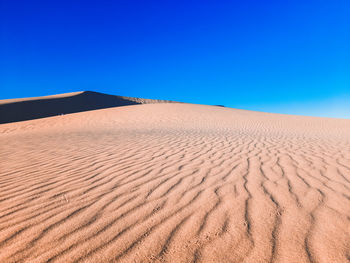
x=276, y=56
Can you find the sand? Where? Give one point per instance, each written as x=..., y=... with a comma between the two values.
x=175, y=183
x=13, y=110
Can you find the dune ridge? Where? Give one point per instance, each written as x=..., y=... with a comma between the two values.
x=175, y=183
x=13, y=110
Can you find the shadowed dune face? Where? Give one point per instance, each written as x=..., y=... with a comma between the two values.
x=41, y=107
x=175, y=183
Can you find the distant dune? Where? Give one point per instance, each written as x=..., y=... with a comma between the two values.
x=170, y=182
x=13, y=110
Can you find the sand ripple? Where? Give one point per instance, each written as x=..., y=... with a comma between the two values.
x=175, y=183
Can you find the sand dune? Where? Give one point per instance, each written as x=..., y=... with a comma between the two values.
x=175, y=183
x=13, y=110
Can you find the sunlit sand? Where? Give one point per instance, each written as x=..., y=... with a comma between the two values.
x=174, y=182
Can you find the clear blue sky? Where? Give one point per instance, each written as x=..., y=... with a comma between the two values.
x=276, y=56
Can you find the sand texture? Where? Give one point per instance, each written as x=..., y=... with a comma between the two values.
x=175, y=183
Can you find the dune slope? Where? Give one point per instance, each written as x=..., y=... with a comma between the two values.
x=14, y=110
x=175, y=183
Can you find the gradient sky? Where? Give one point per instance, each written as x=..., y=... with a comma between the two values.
x=275, y=56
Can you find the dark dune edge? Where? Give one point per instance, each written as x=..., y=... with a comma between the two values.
x=42, y=107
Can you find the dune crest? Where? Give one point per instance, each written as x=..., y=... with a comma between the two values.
x=14, y=110
x=175, y=183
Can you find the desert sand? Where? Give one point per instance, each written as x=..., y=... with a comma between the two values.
x=13, y=110
x=171, y=182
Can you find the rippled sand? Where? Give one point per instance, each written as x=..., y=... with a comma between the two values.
x=175, y=183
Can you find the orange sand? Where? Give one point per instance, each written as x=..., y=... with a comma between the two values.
x=175, y=183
